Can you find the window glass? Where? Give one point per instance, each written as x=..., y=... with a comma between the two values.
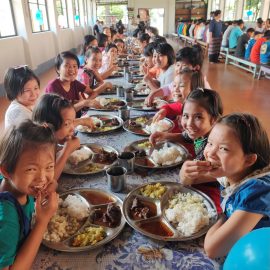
x=7, y=25
x=61, y=9
x=39, y=15
x=252, y=9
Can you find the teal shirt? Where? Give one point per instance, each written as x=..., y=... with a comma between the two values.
x=10, y=238
x=234, y=35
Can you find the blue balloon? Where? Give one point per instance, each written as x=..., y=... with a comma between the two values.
x=249, y=13
x=251, y=252
x=77, y=17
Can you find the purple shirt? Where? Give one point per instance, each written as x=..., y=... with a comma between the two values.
x=72, y=95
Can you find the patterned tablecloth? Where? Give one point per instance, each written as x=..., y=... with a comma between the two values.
x=130, y=249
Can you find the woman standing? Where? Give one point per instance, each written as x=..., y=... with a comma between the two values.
x=215, y=37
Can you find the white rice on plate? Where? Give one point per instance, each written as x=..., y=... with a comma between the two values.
x=96, y=121
x=161, y=125
x=168, y=155
x=80, y=155
x=67, y=219
x=188, y=213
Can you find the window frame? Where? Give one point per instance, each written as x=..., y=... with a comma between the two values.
x=75, y=14
x=259, y=14
x=13, y=21
x=235, y=10
x=46, y=8
x=68, y=25
x=85, y=12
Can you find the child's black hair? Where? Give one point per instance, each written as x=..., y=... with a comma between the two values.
x=191, y=55
x=16, y=139
x=149, y=49
x=49, y=110
x=15, y=80
x=87, y=40
x=102, y=39
x=65, y=55
x=110, y=46
x=252, y=136
x=208, y=99
x=166, y=49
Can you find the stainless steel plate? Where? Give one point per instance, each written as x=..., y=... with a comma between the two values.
x=143, y=160
x=107, y=124
x=92, y=165
x=138, y=126
x=113, y=105
x=138, y=105
x=116, y=75
x=100, y=199
x=109, y=91
x=151, y=226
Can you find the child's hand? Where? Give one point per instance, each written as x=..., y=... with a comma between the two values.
x=157, y=137
x=72, y=144
x=161, y=114
x=88, y=122
x=150, y=98
x=93, y=103
x=108, y=85
x=46, y=211
x=192, y=170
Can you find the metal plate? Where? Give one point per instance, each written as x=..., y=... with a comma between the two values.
x=116, y=75
x=106, y=124
x=109, y=91
x=113, y=106
x=144, y=161
x=140, y=123
x=111, y=233
x=91, y=165
x=157, y=217
x=138, y=105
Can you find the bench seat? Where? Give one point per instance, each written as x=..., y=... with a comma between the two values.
x=246, y=65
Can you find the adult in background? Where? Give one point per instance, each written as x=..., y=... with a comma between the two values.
x=215, y=37
x=96, y=28
x=235, y=34
x=243, y=41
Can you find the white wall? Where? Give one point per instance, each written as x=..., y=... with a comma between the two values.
x=169, y=13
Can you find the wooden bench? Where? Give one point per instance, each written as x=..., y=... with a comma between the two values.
x=265, y=70
x=246, y=65
x=187, y=40
x=224, y=51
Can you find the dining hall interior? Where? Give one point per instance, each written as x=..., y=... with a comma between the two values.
x=121, y=171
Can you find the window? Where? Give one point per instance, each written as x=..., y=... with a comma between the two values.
x=76, y=9
x=7, y=26
x=85, y=13
x=39, y=15
x=252, y=10
x=61, y=9
x=230, y=9
x=112, y=11
x=215, y=5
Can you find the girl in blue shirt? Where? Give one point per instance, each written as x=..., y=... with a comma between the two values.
x=237, y=153
x=27, y=157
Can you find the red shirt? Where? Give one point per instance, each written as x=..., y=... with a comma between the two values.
x=72, y=95
x=255, y=51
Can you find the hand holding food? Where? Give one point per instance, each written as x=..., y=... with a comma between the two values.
x=193, y=169
x=158, y=137
x=159, y=115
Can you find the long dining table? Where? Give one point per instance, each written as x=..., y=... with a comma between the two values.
x=130, y=249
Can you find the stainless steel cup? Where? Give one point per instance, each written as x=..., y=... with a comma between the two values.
x=129, y=95
x=124, y=113
x=120, y=91
x=116, y=178
x=127, y=159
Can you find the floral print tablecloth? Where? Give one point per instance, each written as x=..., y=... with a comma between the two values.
x=130, y=250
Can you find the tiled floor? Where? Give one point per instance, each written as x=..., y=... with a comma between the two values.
x=239, y=91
